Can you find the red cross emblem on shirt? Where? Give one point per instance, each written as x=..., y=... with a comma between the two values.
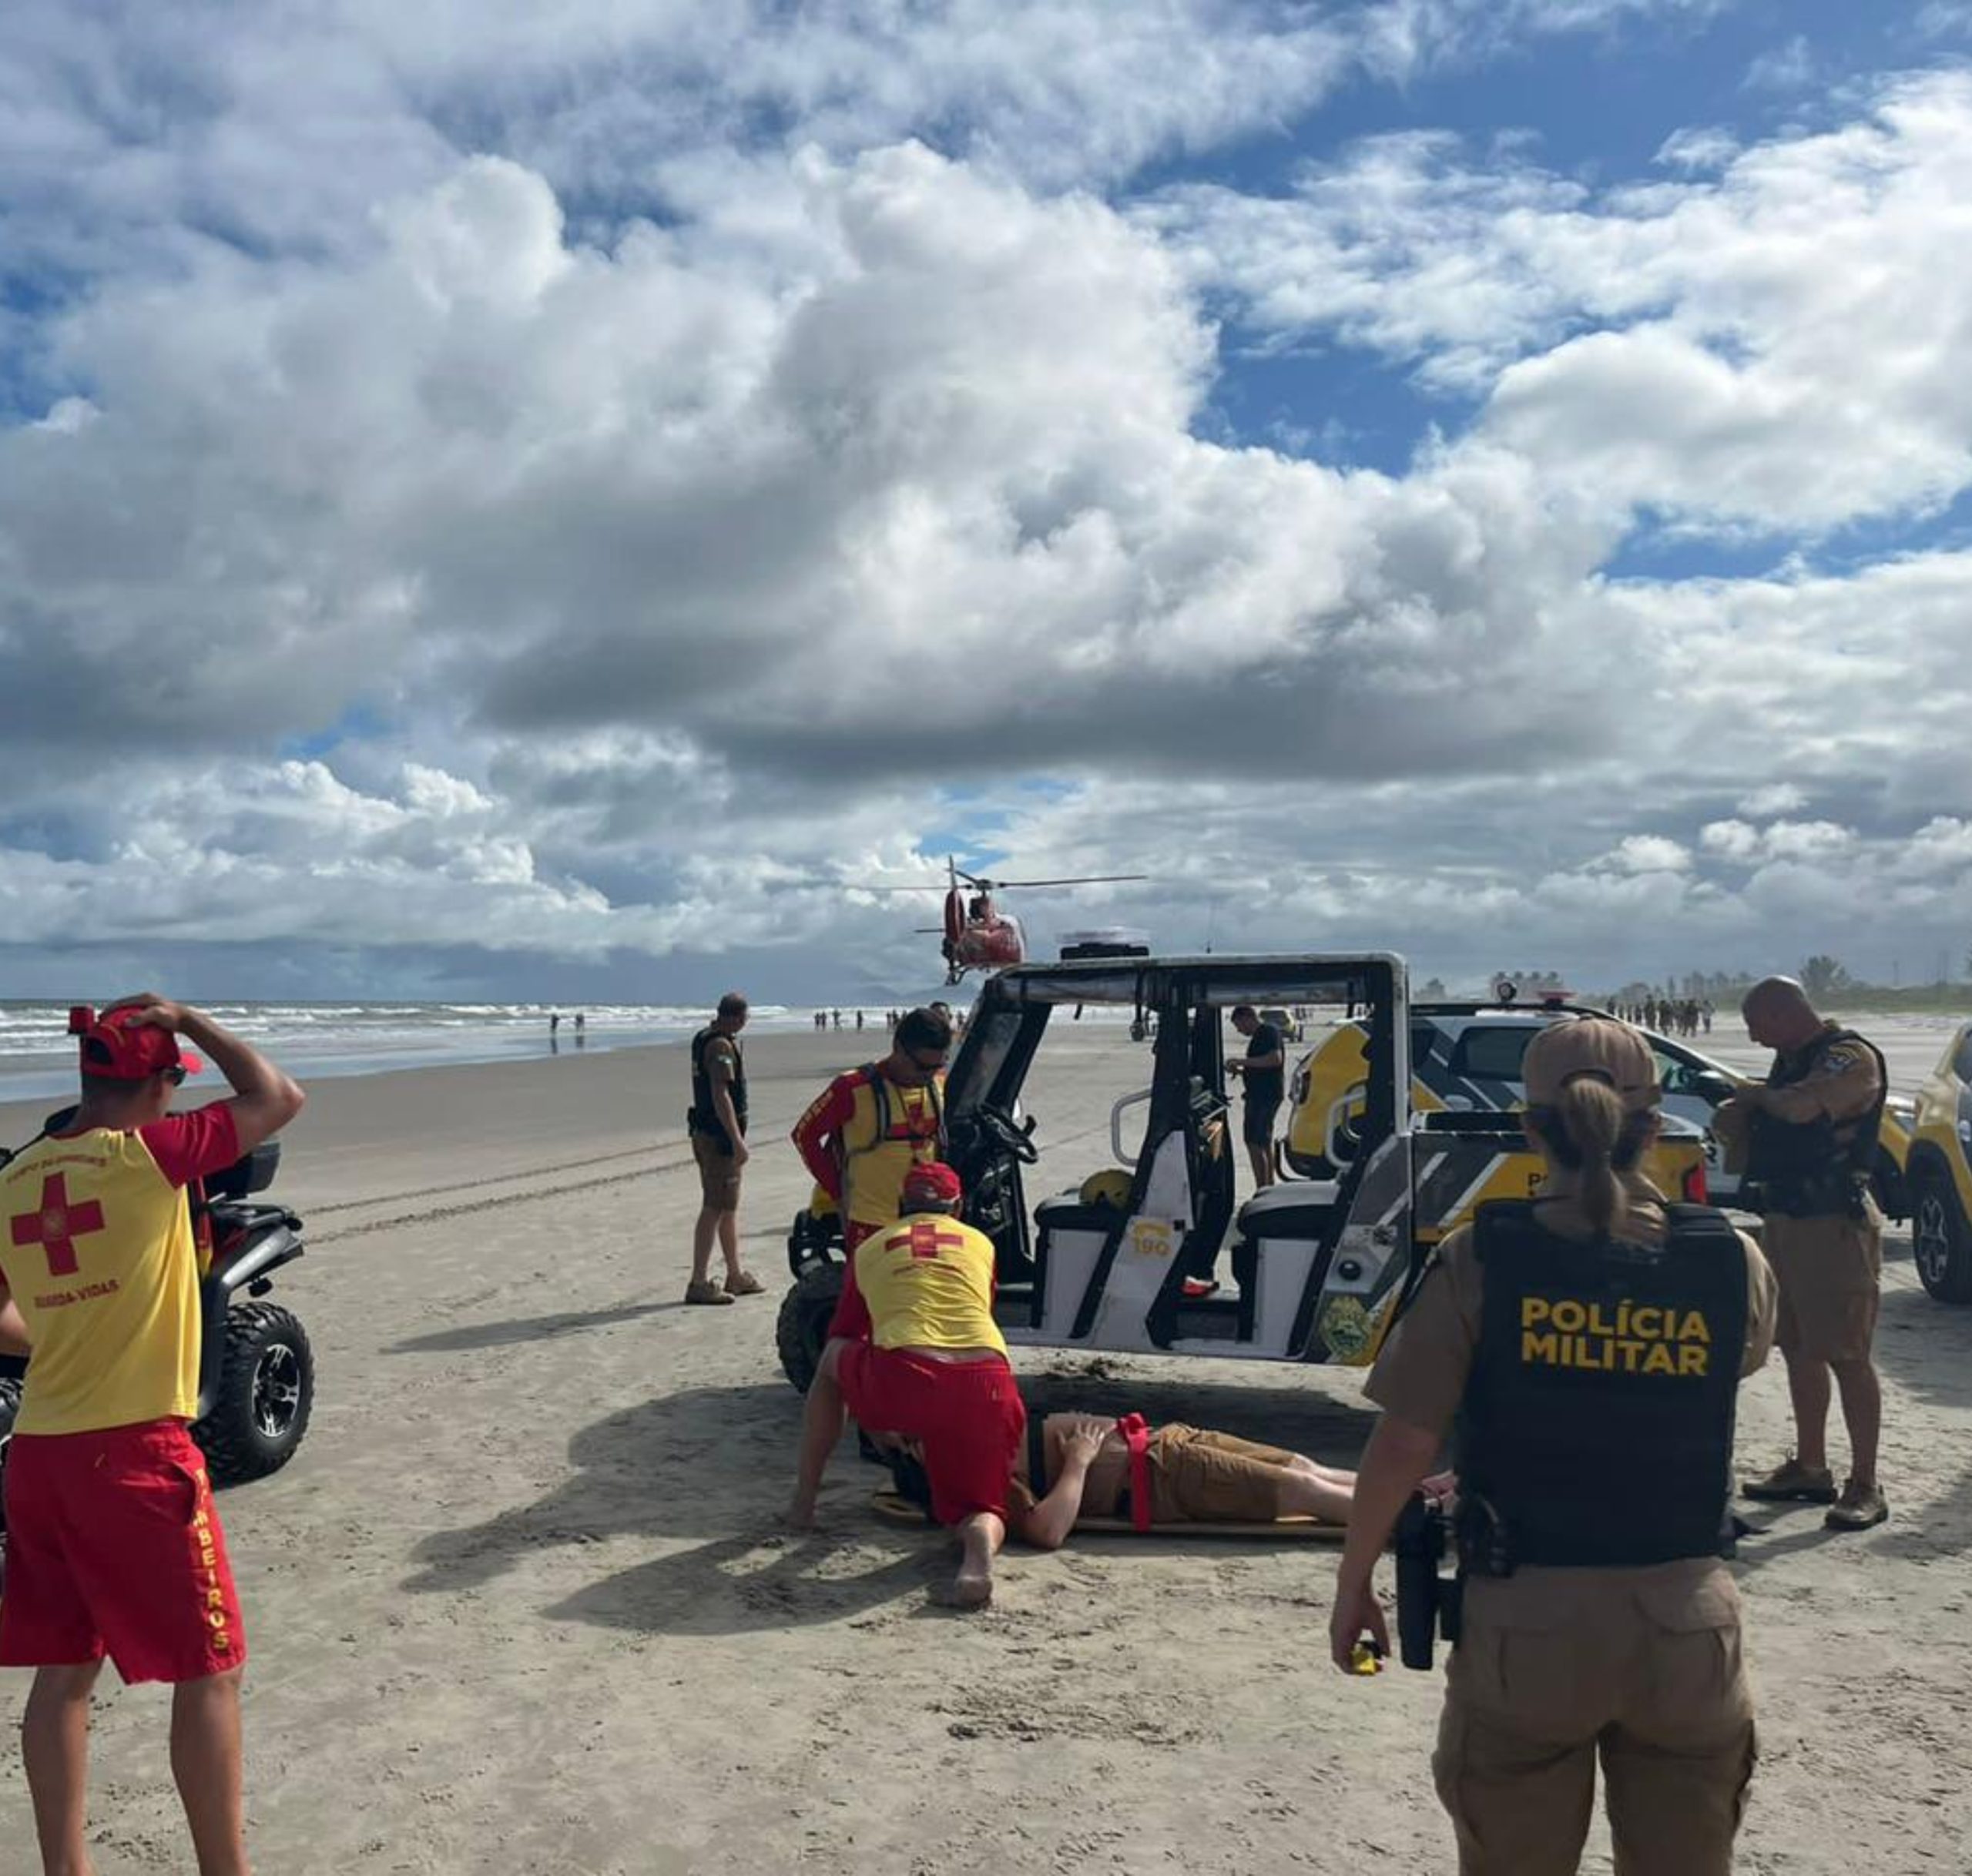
x=927, y=1240
x=57, y=1224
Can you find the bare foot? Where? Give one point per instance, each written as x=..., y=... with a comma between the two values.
x=800, y=1515
x=972, y=1588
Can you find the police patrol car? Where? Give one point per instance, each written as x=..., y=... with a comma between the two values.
x=1465, y=1057
x=1940, y=1174
x=1318, y=1265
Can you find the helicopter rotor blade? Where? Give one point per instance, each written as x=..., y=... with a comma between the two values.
x=1089, y=879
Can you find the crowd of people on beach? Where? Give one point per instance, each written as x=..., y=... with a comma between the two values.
x=1668, y=1015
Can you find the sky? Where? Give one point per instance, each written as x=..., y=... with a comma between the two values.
x=545, y=498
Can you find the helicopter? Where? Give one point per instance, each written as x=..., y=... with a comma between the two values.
x=975, y=934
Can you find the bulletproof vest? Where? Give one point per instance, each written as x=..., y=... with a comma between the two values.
x=1596, y=1428
x=705, y=1113
x=1817, y=1168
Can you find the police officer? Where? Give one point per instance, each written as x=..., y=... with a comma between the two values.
x=1591, y=1345
x=717, y=1122
x=1807, y=1140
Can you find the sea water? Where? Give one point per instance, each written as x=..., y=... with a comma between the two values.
x=311, y=1040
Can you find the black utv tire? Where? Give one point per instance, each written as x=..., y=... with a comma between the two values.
x=802, y=1330
x=1940, y=1243
x=267, y=1391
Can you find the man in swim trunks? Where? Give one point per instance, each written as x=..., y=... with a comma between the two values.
x=934, y=1370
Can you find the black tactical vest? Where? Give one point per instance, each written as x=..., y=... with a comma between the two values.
x=705, y=1113
x=1818, y=1168
x=1597, y=1426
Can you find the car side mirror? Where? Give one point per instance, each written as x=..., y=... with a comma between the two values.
x=1031, y=1123
x=1713, y=1086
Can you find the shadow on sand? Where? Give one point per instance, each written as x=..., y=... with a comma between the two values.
x=525, y=1328
x=702, y=1474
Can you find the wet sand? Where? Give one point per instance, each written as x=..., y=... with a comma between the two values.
x=520, y=1605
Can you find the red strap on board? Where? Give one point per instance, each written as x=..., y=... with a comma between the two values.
x=1135, y=1431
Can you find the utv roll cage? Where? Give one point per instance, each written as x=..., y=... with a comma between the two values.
x=1182, y=1182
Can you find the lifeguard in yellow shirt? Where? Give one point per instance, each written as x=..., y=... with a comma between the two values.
x=934, y=1370
x=113, y=1543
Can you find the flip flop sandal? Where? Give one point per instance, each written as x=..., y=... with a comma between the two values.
x=746, y=1283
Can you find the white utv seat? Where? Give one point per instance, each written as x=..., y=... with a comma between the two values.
x=1283, y=1233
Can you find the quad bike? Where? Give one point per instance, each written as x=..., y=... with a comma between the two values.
x=256, y=1371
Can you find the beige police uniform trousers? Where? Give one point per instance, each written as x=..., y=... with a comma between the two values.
x=1830, y=1271
x=1641, y=1668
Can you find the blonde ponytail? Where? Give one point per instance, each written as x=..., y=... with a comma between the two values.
x=1588, y=1114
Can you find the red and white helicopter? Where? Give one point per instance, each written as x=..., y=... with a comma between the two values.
x=976, y=935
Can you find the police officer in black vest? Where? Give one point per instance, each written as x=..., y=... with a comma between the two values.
x=1589, y=1344
x=718, y=1124
x=1806, y=1140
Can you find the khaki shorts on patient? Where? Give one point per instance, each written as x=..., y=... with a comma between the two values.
x=1204, y=1478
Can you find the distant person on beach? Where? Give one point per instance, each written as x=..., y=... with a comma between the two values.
x=717, y=1120
x=554, y=1024
x=867, y=1130
x=933, y=1369
x=1264, y=1073
x=579, y=1036
x=114, y=1546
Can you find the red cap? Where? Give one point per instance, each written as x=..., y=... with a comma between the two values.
x=119, y=1046
x=934, y=1185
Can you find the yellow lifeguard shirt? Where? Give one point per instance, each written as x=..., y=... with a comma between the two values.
x=928, y=1283
x=96, y=1247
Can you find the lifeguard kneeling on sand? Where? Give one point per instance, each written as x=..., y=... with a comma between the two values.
x=934, y=1372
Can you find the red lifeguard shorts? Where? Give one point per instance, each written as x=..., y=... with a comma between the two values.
x=967, y=1416
x=114, y=1547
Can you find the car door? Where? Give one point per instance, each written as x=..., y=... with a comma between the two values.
x=1687, y=1078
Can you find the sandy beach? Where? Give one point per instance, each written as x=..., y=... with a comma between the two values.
x=520, y=1605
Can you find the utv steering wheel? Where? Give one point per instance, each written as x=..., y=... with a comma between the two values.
x=999, y=1128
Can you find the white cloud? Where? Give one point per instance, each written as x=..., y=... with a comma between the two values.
x=1670, y=346
x=1734, y=840
x=1649, y=853
x=1789, y=66
x=1776, y=798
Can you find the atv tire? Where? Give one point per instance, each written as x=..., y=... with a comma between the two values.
x=802, y=1330
x=267, y=1391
